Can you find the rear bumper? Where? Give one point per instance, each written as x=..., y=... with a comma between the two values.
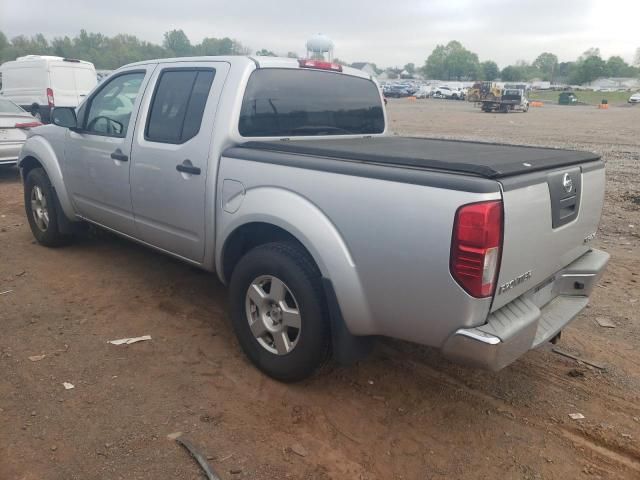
x=521, y=325
x=9, y=152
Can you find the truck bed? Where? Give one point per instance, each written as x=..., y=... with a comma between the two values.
x=488, y=160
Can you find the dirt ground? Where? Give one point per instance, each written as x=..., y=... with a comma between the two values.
x=403, y=413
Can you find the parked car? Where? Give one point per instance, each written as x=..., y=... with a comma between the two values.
x=450, y=93
x=38, y=83
x=635, y=98
x=567, y=98
x=279, y=175
x=424, y=91
x=14, y=123
x=396, y=91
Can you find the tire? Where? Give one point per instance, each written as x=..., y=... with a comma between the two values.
x=43, y=212
x=305, y=349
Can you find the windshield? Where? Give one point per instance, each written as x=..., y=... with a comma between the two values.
x=7, y=106
x=291, y=102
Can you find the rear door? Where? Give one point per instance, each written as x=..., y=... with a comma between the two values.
x=63, y=84
x=170, y=156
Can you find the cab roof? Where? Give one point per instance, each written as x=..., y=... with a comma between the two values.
x=258, y=61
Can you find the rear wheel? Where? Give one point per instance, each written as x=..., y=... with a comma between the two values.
x=41, y=207
x=278, y=311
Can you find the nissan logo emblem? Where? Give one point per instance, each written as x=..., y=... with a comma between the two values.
x=567, y=183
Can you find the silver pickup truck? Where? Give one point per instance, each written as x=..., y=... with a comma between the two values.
x=280, y=176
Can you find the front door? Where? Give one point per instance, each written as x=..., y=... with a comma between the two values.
x=96, y=163
x=170, y=156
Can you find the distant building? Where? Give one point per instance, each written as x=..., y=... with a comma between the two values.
x=615, y=83
x=368, y=68
x=540, y=85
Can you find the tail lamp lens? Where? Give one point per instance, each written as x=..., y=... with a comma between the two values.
x=27, y=125
x=475, y=247
x=50, y=97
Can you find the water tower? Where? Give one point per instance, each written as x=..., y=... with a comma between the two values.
x=318, y=45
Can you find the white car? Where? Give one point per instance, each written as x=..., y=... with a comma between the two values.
x=448, y=92
x=635, y=98
x=14, y=123
x=38, y=83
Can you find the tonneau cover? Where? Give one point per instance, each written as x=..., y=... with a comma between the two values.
x=489, y=160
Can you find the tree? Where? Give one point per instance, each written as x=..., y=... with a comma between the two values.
x=565, y=71
x=617, y=67
x=177, y=42
x=292, y=55
x=589, y=67
x=546, y=63
x=410, y=68
x=434, y=66
x=592, y=52
x=511, y=73
x=451, y=61
x=636, y=58
x=489, y=70
x=265, y=53
x=219, y=46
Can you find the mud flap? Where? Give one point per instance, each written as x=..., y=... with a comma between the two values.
x=65, y=225
x=347, y=348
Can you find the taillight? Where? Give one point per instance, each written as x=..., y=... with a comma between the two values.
x=321, y=65
x=27, y=125
x=475, y=247
x=50, y=97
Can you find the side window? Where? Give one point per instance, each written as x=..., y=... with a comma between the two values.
x=109, y=111
x=178, y=105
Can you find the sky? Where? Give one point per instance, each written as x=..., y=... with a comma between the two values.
x=381, y=31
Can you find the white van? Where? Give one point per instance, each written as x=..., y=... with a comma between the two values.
x=38, y=83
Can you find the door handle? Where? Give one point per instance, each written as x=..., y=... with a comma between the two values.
x=187, y=167
x=118, y=155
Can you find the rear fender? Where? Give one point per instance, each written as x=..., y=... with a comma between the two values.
x=311, y=227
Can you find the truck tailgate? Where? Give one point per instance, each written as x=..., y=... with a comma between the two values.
x=550, y=218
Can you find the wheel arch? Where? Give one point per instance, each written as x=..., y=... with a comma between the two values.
x=247, y=237
x=38, y=153
x=272, y=214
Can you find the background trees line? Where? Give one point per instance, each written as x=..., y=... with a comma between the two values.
x=113, y=52
x=454, y=62
x=447, y=62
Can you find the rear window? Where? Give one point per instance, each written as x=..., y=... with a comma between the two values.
x=178, y=105
x=291, y=102
x=9, y=107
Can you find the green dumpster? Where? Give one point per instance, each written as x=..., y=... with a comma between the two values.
x=567, y=98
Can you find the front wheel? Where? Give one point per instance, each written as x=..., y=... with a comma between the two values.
x=278, y=311
x=42, y=209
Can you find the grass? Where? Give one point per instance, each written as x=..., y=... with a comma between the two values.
x=588, y=97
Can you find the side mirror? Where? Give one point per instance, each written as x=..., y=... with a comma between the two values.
x=64, y=117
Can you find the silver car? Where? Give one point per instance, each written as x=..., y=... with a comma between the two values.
x=14, y=122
